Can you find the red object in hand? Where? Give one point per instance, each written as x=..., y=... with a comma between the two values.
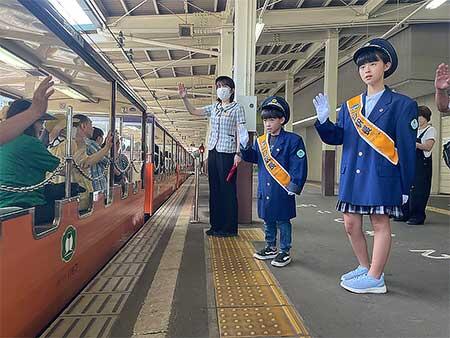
x=231, y=173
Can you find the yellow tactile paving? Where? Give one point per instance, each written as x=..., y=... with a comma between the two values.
x=248, y=299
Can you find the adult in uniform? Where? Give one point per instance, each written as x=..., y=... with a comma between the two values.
x=377, y=130
x=414, y=210
x=227, y=119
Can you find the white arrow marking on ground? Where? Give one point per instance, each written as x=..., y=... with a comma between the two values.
x=307, y=205
x=372, y=233
x=427, y=253
x=339, y=220
x=324, y=212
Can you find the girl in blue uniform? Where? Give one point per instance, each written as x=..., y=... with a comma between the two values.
x=282, y=170
x=377, y=130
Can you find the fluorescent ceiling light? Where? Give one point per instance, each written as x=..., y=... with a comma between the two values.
x=435, y=4
x=305, y=120
x=72, y=12
x=259, y=29
x=12, y=60
x=74, y=94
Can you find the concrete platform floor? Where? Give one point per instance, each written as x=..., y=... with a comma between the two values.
x=417, y=277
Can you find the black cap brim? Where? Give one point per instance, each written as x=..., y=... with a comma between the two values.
x=392, y=57
x=47, y=117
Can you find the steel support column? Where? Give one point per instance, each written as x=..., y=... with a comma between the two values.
x=244, y=77
x=289, y=97
x=330, y=89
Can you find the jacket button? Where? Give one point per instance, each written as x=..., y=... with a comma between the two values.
x=278, y=149
x=358, y=171
x=267, y=197
x=360, y=154
x=268, y=184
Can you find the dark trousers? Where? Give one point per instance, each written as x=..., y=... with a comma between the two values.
x=414, y=210
x=223, y=206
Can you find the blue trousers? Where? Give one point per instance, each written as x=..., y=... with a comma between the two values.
x=270, y=229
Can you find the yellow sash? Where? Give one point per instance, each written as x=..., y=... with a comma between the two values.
x=369, y=132
x=274, y=168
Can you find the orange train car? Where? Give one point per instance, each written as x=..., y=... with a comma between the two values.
x=43, y=267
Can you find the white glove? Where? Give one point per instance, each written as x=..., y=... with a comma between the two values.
x=322, y=107
x=404, y=199
x=243, y=135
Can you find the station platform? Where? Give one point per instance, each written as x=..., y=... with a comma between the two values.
x=171, y=280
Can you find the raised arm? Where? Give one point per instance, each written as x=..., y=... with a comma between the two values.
x=329, y=132
x=442, y=85
x=99, y=156
x=14, y=126
x=189, y=106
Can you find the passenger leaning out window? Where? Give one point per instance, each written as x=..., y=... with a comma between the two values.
x=24, y=162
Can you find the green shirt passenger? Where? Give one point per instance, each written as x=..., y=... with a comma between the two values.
x=25, y=161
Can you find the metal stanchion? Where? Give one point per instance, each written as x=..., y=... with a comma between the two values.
x=195, y=218
x=68, y=169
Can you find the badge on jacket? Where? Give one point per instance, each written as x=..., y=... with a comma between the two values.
x=301, y=153
x=414, y=124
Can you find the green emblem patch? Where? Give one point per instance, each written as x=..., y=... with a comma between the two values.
x=414, y=124
x=301, y=153
x=68, y=243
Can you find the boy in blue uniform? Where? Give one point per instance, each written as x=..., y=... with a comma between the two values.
x=378, y=132
x=282, y=170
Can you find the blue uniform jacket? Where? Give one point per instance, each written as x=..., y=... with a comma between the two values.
x=367, y=178
x=274, y=203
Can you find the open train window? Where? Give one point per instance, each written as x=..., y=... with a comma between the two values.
x=158, y=155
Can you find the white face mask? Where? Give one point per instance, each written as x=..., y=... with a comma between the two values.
x=223, y=93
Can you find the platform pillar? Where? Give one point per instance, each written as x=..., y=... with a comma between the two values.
x=330, y=89
x=289, y=97
x=244, y=77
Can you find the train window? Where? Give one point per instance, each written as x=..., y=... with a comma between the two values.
x=102, y=122
x=167, y=153
x=132, y=136
x=149, y=138
x=158, y=157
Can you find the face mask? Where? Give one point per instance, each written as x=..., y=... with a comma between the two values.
x=223, y=93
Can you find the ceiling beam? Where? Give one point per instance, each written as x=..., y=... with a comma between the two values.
x=124, y=6
x=286, y=38
x=122, y=66
x=148, y=42
x=189, y=81
x=203, y=22
x=271, y=76
x=155, y=4
x=372, y=6
x=280, y=57
x=324, y=18
x=312, y=51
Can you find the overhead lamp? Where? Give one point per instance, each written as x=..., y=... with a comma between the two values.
x=73, y=93
x=435, y=4
x=259, y=29
x=311, y=118
x=14, y=61
x=304, y=120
